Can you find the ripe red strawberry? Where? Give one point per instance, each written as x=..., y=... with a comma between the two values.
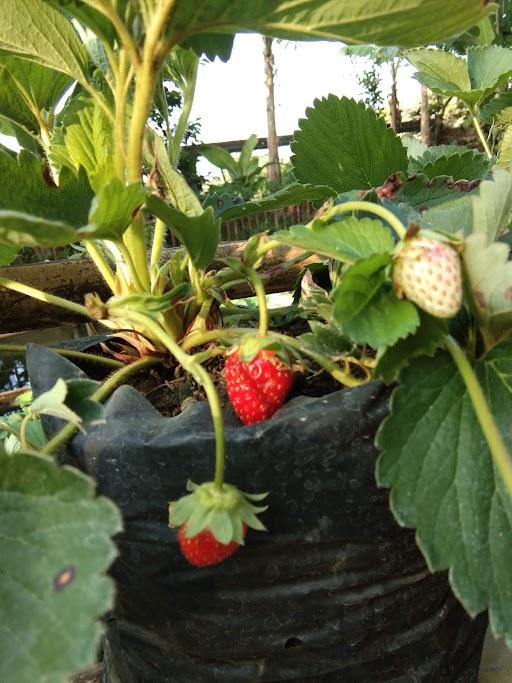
x=257, y=388
x=204, y=549
x=428, y=272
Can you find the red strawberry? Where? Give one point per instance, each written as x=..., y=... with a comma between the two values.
x=204, y=549
x=257, y=388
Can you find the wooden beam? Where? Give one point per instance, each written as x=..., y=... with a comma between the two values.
x=72, y=279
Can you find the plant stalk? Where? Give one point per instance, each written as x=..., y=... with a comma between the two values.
x=259, y=290
x=202, y=377
x=101, y=263
x=483, y=412
x=179, y=133
x=67, y=353
x=158, y=243
x=62, y=437
x=43, y=296
x=481, y=134
x=369, y=207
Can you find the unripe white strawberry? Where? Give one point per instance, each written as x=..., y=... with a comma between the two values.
x=428, y=272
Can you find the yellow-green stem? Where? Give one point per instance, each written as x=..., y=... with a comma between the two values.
x=101, y=263
x=134, y=272
x=179, y=133
x=107, y=9
x=4, y=427
x=119, y=123
x=201, y=376
x=483, y=412
x=198, y=339
x=68, y=353
x=158, y=243
x=24, y=440
x=369, y=207
x=259, y=290
x=62, y=437
x=481, y=135
x=43, y=296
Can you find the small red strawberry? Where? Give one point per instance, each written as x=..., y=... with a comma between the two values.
x=428, y=272
x=204, y=549
x=257, y=388
x=212, y=521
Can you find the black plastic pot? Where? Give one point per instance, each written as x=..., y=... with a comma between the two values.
x=335, y=591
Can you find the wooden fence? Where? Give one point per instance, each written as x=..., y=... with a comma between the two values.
x=238, y=229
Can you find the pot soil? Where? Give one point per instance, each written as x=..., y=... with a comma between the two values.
x=335, y=591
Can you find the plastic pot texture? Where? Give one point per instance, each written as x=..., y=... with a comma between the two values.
x=335, y=591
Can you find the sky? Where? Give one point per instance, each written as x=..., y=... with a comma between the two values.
x=230, y=97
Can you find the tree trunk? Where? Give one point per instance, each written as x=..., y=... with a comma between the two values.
x=273, y=169
x=424, y=116
x=394, y=106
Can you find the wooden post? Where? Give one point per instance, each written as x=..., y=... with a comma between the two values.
x=273, y=169
x=424, y=116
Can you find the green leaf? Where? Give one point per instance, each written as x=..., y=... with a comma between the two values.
x=53, y=402
x=327, y=340
x=85, y=139
x=113, y=209
x=492, y=109
x=505, y=151
x=25, y=138
x=422, y=193
x=211, y=45
x=472, y=81
x=443, y=72
x=26, y=86
x=430, y=154
x=8, y=252
x=489, y=276
x=245, y=161
x=384, y=321
x=463, y=164
x=444, y=482
x=174, y=185
x=413, y=146
x=56, y=547
x=484, y=211
x=347, y=240
x=22, y=230
x=425, y=341
x=35, y=31
x=220, y=157
x=199, y=234
x=79, y=400
x=379, y=22
x=359, y=285
x=28, y=188
x=295, y=193
x=87, y=16
x=489, y=67
x=346, y=146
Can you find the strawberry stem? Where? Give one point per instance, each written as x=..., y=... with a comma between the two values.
x=63, y=436
x=259, y=290
x=488, y=425
x=368, y=207
x=191, y=365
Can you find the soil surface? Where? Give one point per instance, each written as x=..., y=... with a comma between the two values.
x=170, y=390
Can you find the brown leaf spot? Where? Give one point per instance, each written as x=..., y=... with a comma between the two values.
x=508, y=293
x=480, y=298
x=47, y=175
x=64, y=577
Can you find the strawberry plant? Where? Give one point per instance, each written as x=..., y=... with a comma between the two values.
x=418, y=291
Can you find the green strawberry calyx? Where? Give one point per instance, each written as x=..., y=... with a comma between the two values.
x=222, y=510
